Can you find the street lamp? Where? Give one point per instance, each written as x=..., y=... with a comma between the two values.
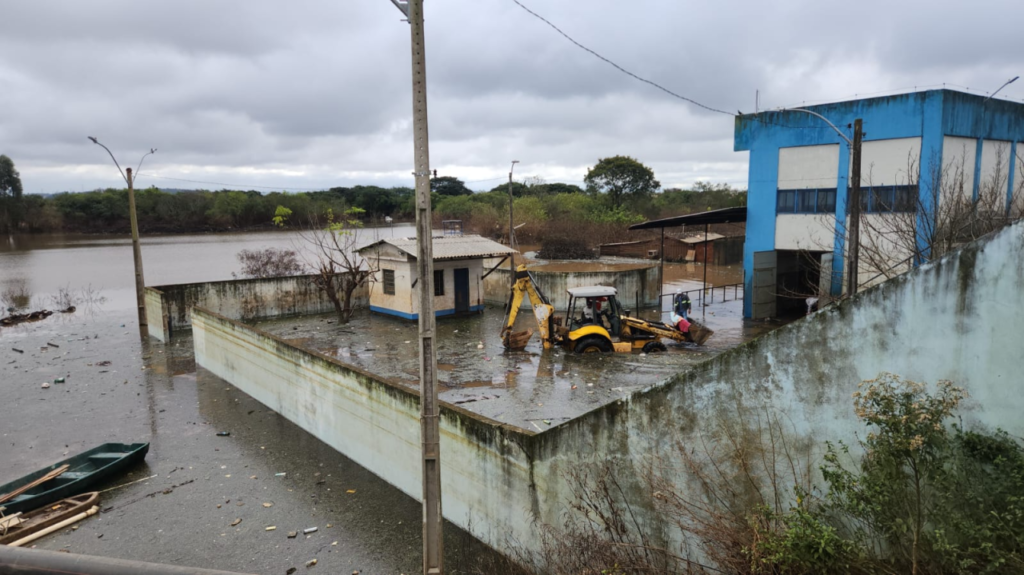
x=140, y=283
x=854, y=200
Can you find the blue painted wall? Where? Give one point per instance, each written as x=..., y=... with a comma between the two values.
x=930, y=115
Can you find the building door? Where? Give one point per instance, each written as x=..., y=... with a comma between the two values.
x=762, y=302
x=461, y=290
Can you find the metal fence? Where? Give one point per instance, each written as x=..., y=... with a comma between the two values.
x=706, y=296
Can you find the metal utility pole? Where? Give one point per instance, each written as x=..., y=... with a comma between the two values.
x=429, y=417
x=851, y=276
x=511, y=227
x=140, y=283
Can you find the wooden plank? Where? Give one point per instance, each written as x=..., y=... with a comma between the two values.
x=51, y=475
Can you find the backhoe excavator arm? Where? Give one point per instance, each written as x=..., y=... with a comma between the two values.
x=542, y=311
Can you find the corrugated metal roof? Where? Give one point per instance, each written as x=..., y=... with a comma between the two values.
x=699, y=239
x=451, y=247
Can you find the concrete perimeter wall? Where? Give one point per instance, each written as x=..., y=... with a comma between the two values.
x=374, y=421
x=644, y=281
x=168, y=306
x=960, y=318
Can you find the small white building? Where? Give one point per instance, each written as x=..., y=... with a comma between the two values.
x=458, y=274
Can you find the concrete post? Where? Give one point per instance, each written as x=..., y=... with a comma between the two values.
x=429, y=428
x=140, y=282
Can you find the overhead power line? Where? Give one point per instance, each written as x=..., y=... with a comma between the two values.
x=234, y=186
x=620, y=68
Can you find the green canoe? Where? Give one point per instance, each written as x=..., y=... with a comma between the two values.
x=84, y=471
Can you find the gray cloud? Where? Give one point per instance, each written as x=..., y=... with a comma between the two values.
x=307, y=94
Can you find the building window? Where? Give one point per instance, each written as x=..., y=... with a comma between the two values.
x=826, y=202
x=810, y=201
x=888, y=199
x=438, y=282
x=787, y=201
x=389, y=282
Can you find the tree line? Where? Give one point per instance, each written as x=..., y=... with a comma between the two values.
x=618, y=191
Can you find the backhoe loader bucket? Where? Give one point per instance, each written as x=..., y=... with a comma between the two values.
x=699, y=333
x=518, y=340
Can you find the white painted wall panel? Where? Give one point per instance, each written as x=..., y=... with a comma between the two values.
x=808, y=167
x=1017, y=201
x=814, y=232
x=958, y=156
x=890, y=162
x=995, y=168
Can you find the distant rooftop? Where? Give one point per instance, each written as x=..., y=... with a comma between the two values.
x=450, y=247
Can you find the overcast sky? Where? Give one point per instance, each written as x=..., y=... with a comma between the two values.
x=305, y=94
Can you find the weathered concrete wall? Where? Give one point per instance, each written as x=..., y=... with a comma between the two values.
x=960, y=318
x=645, y=282
x=485, y=467
x=168, y=306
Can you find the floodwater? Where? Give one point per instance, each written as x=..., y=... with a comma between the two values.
x=37, y=266
x=531, y=389
x=178, y=507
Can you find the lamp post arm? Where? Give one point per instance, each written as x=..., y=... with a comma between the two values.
x=97, y=142
x=848, y=141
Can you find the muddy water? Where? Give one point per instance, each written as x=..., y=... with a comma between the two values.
x=34, y=267
x=532, y=389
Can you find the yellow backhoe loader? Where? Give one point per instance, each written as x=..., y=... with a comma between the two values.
x=594, y=322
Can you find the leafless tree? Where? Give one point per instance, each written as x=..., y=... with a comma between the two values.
x=338, y=271
x=931, y=224
x=268, y=263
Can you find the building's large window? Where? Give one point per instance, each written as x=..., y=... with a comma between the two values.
x=811, y=201
x=888, y=199
x=389, y=282
x=438, y=282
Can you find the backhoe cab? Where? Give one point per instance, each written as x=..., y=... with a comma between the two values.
x=597, y=323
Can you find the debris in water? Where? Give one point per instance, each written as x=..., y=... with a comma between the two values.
x=223, y=433
x=309, y=530
x=290, y=571
x=17, y=350
x=268, y=504
x=103, y=363
x=351, y=491
x=311, y=563
x=59, y=380
x=52, y=344
x=46, y=385
x=293, y=534
x=236, y=522
x=280, y=474
x=271, y=528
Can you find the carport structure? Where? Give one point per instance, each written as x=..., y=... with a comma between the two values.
x=722, y=216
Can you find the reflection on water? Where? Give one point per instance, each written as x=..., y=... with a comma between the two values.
x=35, y=267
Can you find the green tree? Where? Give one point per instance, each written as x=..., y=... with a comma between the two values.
x=449, y=186
x=10, y=194
x=621, y=179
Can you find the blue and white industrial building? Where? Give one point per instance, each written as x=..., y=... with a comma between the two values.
x=799, y=178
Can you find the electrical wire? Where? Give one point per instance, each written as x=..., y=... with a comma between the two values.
x=620, y=68
x=233, y=186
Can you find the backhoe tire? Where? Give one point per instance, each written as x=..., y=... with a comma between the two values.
x=654, y=347
x=593, y=344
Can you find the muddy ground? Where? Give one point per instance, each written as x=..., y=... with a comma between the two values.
x=194, y=483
